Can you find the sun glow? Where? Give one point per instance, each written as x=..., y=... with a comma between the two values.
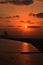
x=25, y=26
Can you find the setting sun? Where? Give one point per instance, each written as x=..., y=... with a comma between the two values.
x=25, y=26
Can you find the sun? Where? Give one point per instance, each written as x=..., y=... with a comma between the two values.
x=25, y=26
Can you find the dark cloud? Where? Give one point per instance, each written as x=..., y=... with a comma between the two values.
x=31, y=14
x=13, y=16
x=33, y=26
x=30, y=22
x=9, y=17
x=19, y=26
x=17, y=16
x=20, y=2
x=39, y=15
x=21, y=21
x=28, y=2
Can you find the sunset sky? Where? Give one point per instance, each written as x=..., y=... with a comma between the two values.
x=22, y=18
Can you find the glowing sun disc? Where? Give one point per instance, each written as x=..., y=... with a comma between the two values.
x=25, y=26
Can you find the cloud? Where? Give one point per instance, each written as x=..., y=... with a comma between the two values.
x=19, y=26
x=9, y=17
x=33, y=26
x=17, y=16
x=21, y=21
x=30, y=22
x=31, y=14
x=20, y=2
x=39, y=15
x=28, y=2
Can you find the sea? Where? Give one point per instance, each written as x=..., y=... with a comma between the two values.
x=14, y=52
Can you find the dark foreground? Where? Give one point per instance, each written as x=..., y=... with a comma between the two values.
x=21, y=59
x=19, y=53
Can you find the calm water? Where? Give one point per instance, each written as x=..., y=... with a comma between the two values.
x=10, y=53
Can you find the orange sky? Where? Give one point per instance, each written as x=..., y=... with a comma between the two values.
x=15, y=25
